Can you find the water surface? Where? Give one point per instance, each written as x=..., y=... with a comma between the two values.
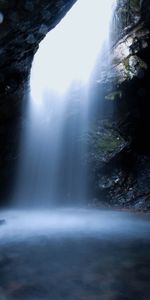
x=74, y=255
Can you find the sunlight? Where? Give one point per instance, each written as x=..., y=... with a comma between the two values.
x=68, y=52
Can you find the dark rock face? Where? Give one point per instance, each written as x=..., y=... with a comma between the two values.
x=124, y=180
x=105, y=143
x=23, y=24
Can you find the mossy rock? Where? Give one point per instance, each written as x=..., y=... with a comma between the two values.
x=107, y=143
x=104, y=144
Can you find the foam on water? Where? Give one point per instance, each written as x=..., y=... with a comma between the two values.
x=21, y=225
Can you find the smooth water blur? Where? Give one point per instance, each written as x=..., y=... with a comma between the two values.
x=21, y=224
x=74, y=255
x=53, y=168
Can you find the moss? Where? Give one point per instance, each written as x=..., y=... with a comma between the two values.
x=107, y=144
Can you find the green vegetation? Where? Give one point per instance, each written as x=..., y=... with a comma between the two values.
x=107, y=143
x=104, y=142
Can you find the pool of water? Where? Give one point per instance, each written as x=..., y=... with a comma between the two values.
x=74, y=254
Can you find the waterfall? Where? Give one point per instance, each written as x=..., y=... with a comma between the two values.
x=52, y=168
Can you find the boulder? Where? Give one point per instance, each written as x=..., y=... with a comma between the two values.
x=104, y=145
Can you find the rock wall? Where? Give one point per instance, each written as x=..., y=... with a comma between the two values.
x=121, y=151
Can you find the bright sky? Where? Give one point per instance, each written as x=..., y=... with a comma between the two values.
x=69, y=51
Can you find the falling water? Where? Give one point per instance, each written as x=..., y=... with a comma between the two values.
x=70, y=252
x=52, y=169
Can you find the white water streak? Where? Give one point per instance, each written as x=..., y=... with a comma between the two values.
x=51, y=167
x=22, y=225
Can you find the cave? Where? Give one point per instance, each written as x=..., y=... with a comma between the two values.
x=75, y=151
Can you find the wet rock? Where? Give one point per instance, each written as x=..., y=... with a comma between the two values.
x=30, y=39
x=104, y=145
x=43, y=29
x=106, y=182
x=128, y=97
x=126, y=57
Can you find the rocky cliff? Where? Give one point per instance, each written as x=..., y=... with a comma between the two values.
x=120, y=141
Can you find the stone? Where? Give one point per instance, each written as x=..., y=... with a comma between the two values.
x=43, y=29
x=107, y=182
x=104, y=144
x=31, y=39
